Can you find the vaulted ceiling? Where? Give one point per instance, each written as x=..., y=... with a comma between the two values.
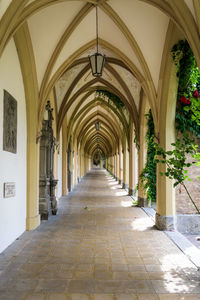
x=132, y=35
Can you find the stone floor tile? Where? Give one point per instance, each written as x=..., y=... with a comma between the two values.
x=57, y=296
x=148, y=297
x=154, y=268
x=101, y=260
x=136, y=268
x=157, y=275
x=83, y=275
x=118, y=260
x=81, y=286
x=86, y=260
x=188, y=297
x=126, y=297
x=151, y=261
x=36, y=296
x=102, y=267
x=50, y=267
x=119, y=267
x=13, y=295
x=103, y=297
x=109, y=287
x=169, y=297
x=51, y=285
x=121, y=276
x=67, y=267
x=140, y=286
x=135, y=261
x=25, y=285
x=51, y=274
x=138, y=275
x=80, y=297
x=62, y=274
x=98, y=274
x=84, y=267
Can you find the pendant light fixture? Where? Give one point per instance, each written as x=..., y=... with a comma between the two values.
x=97, y=60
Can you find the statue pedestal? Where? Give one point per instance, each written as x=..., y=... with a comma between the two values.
x=44, y=203
x=47, y=185
x=53, y=198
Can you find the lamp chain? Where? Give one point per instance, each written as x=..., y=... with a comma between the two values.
x=97, y=29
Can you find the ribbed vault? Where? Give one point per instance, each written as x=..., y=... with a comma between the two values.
x=53, y=40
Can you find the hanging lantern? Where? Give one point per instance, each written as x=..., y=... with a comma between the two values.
x=97, y=63
x=97, y=60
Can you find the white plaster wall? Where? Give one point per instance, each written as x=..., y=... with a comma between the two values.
x=60, y=168
x=12, y=166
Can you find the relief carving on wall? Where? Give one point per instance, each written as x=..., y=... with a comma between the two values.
x=9, y=123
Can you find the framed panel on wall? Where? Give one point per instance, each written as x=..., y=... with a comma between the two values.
x=9, y=123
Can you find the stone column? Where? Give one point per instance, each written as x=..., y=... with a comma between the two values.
x=133, y=161
x=75, y=164
x=125, y=166
x=79, y=166
x=117, y=165
x=64, y=157
x=69, y=173
x=113, y=165
x=120, y=164
x=165, y=215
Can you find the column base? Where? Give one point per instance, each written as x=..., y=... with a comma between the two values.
x=142, y=202
x=120, y=181
x=125, y=186
x=165, y=222
x=131, y=192
x=32, y=222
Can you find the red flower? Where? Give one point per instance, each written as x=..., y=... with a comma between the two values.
x=187, y=101
x=196, y=94
x=184, y=100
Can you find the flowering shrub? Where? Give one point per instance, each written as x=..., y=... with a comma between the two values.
x=188, y=102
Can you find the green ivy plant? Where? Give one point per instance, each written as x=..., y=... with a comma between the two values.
x=176, y=162
x=188, y=101
x=135, y=140
x=148, y=175
x=187, y=118
x=111, y=97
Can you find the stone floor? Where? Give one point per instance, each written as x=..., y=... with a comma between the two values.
x=97, y=247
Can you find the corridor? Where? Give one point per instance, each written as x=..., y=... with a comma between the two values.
x=97, y=247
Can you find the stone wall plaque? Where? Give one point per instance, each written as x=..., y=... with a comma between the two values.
x=9, y=123
x=9, y=189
